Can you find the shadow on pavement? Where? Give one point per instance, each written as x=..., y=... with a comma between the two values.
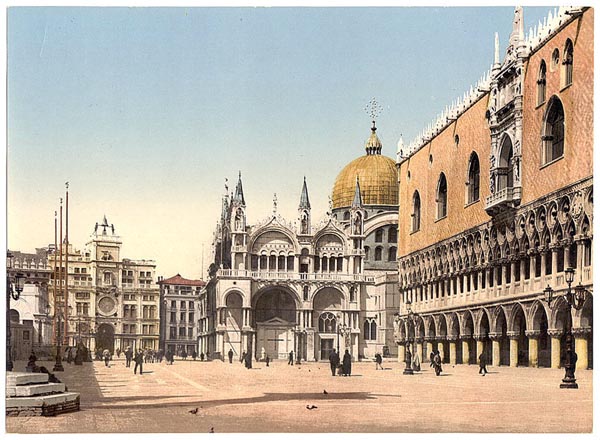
x=268, y=397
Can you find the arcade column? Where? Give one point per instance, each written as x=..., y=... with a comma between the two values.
x=465, y=348
x=533, y=336
x=514, y=348
x=452, y=348
x=555, y=336
x=495, y=337
x=581, y=346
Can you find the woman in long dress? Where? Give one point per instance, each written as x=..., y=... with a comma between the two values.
x=347, y=364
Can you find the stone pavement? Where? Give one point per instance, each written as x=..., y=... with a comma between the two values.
x=230, y=398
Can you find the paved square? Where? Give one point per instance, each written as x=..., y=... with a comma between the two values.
x=274, y=399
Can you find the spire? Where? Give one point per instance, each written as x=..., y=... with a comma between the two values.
x=239, y=192
x=304, y=202
x=274, y=204
x=515, y=35
x=373, y=145
x=357, y=202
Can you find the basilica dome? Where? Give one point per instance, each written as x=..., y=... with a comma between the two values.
x=377, y=178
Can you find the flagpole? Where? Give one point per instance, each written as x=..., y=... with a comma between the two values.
x=66, y=324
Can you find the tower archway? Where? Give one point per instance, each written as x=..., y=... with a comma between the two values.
x=274, y=320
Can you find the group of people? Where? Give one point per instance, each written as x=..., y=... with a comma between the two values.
x=342, y=369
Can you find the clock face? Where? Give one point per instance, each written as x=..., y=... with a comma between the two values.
x=106, y=305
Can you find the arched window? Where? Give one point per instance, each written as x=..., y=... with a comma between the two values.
x=346, y=215
x=568, y=63
x=378, y=251
x=305, y=293
x=416, y=213
x=554, y=131
x=367, y=330
x=473, y=179
x=442, y=197
x=373, y=331
x=379, y=235
x=541, y=83
x=367, y=249
x=392, y=234
x=506, y=165
x=327, y=323
x=392, y=254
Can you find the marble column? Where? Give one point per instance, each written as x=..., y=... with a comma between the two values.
x=581, y=347
x=441, y=349
x=419, y=342
x=533, y=336
x=495, y=337
x=429, y=345
x=401, y=350
x=555, y=347
x=465, y=349
x=480, y=345
x=514, y=348
x=452, y=348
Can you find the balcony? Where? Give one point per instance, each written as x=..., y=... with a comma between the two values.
x=293, y=276
x=506, y=198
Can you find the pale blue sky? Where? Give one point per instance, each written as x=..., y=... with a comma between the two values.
x=146, y=110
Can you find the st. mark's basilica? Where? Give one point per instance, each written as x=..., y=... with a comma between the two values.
x=476, y=240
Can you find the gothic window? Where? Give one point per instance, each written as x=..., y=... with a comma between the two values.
x=367, y=249
x=327, y=323
x=554, y=131
x=378, y=251
x=416, y=212
x=367, y=330
x=392, y=234
x=392, y=254
x=506, y=165
x=541, y=83
x=473, y=179
x=305, y=293
x=442, y=197
x=373, y=331
x=379, y=235
x=347, y=215
x=568, y=63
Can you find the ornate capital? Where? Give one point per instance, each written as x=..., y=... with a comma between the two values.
x=452, y=338
x=555, y=333
x=532, y=333
x=479, y=337
x=582, y=332
x=429, y=338
x=513, y=335
x=494, y=336
x=419, y=339
x=465, y=337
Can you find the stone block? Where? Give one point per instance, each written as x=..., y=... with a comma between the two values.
x=35, y=401
x=18, y=378
x=35, y=389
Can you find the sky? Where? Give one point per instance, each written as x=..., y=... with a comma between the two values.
x=146, y=111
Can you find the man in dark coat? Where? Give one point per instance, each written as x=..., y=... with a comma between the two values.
x=378, y=361
x=139, y=361
x=347, y=364
x=248, y=360
x=291, y=358
x=437, y=363
x=128, y=357
x=482, y=364
x=334, y=361
x=230, y=355
x=431, y=356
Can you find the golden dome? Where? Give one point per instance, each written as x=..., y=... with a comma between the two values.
x=377, y=179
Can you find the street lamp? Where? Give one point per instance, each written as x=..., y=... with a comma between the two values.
x=58, y=361
x=412, y=318
x=14, y=285
x=342, y=329
x=574, y=299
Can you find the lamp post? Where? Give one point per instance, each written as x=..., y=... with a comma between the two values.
x=574, y=299
x=297, y=344
x=412, y=318
x=14, y=286
x=342, y=329
x=58, y=360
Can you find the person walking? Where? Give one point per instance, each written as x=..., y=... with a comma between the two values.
x=267, y=359
x=291, y=358
x=184, y=354
x=482, y=364
x=437, y=363
x=334, y=361
x=431, y=356
x=347, y=364
x=378, y=361
x=139, y=361
x=243, y=358
x=202, y=357
x=106, y=356
x=194, y=354
x=230, y=355
x=248, y=360
x=128, y=357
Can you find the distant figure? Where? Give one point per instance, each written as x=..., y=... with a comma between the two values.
x=243, y=358
x=347, y=364
x=431, y=356
x=128, y=357
x=248, y=360
x=69, y=355
x=437, y=363
x=194, y=354
x=105, y=356
x=31, y=366
x=334, y=361
x=291, y=358
x=170, y=357
x=230, y=355
x=184, y=354
x=482, y=364
x=378, y=361
x=267, y=359
x=416, y=363
x=119, y=352
x=202, y=357
x=139, y=361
